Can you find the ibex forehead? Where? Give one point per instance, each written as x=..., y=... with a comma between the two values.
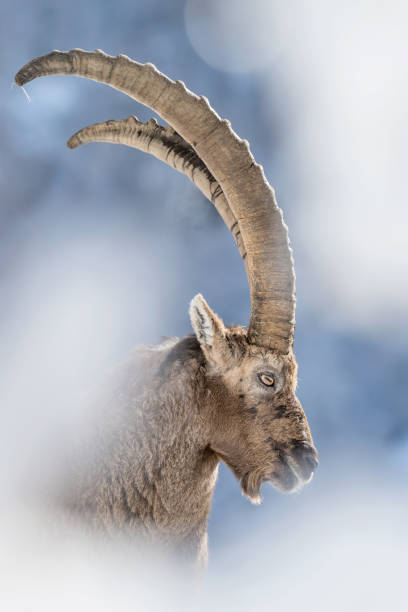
x=259, y=354
x=257, y=360
x=263, y=359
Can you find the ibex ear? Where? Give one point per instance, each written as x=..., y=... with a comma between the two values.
x=208, y=327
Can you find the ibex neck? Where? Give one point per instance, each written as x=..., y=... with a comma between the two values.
x=178, y=467
x=152, y=470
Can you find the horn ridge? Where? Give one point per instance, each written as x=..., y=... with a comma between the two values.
x=168, y=146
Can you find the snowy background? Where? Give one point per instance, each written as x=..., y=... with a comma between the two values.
x=103, y=247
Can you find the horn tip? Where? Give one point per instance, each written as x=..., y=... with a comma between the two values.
x=30, y=70
x=73, y=142
x=19, y=79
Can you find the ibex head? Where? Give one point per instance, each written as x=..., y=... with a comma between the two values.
x=258, y=426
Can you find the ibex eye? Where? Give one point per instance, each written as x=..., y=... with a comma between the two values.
x=266, y=379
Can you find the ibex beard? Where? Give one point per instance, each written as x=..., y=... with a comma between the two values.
x=224, y=394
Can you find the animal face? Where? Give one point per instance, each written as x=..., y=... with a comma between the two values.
x=258, y=426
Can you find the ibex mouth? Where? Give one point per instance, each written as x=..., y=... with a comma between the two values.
x=285, y=478
x=296, y=469
x=303, y=461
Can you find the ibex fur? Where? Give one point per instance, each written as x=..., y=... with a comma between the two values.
x=173, y=411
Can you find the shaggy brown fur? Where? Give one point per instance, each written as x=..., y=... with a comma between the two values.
x=167, y=417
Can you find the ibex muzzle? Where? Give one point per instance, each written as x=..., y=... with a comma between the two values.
x=225, y=393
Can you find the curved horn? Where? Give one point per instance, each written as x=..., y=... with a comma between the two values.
x=168, y=146
x=252, y=200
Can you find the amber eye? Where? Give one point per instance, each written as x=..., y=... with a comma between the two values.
x=266, y=379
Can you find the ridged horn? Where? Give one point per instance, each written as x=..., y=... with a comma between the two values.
x=269, y=261
x=168, y=146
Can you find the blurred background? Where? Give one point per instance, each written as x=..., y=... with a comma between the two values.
x=102, y=248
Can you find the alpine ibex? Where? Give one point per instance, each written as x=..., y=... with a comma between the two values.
x=225, y=393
